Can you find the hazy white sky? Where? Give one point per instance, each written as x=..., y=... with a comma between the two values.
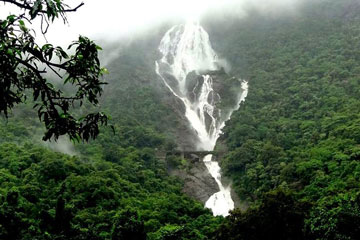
x=111, y=19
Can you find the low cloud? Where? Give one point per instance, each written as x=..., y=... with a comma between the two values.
x=115, y=19
x=62, y=145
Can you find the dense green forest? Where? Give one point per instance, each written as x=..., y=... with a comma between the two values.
x=293, y=146
x=114, y=187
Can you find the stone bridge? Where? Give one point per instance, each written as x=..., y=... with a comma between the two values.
x=193, y=155
x=186, y=154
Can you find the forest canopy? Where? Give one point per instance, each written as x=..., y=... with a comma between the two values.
x=292, y=149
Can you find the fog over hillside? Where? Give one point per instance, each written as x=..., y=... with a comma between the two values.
x=112, y=20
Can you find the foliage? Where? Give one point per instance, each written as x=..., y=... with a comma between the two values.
x=47, y=195
x=293, y=145
x=298, y=128
x=278, y=217
x=115, y=188
x=24, y=65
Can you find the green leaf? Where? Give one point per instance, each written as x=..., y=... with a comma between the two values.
x=37, y=7
x=10, y=52
x=4, y=23
x=11, y=18
x=104, y=71
x=46, y=46
x=62, y=53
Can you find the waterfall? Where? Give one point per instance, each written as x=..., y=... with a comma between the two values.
x=187, y=56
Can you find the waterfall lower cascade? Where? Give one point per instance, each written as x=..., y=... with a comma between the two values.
x=187, y=58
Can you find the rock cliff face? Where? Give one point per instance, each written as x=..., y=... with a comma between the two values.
x=228, y=88
x=198, y=183
x=185, y=137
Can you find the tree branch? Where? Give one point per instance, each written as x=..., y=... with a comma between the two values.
x=28, y=65
x=28, y=7
x=43, y=82
x=42, y=59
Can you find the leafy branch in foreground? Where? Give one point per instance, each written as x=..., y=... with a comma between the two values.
x=24, y=66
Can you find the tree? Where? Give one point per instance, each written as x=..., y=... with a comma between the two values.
x=279, y=216
x=24, y=66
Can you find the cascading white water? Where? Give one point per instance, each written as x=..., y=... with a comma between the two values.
x=186, y=48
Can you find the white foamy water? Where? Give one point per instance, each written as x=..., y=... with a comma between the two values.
x=186, y=48
x=221, y=202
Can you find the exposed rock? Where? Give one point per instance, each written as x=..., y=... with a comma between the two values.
x=185, y=137
x=171, y=80
x=192, y=85
x=207, y=121
x=198, y=183
x=194, y=158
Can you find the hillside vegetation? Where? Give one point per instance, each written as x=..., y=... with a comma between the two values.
x=114, y=187
x=293, y=147
x=294, y=144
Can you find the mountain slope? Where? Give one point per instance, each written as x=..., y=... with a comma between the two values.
x=298, y=131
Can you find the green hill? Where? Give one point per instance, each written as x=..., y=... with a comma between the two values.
x=293, y=147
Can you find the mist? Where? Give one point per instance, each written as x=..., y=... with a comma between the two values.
x=63, y=145
x=114, y=20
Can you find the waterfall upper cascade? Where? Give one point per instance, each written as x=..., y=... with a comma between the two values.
x=187, y=58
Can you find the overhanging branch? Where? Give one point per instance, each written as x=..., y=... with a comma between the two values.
x=26, y=6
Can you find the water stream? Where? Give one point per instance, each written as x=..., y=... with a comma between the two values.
x=186, y=50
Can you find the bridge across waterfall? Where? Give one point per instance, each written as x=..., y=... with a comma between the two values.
x=201, y=154
x=195, y=155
